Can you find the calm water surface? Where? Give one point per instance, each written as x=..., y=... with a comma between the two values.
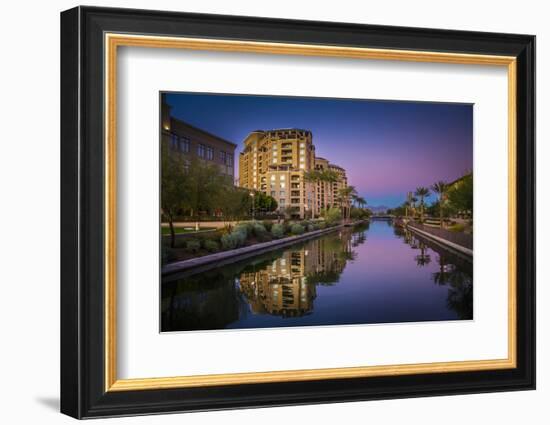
x=368, y=274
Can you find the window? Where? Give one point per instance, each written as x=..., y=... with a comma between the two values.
x=184, y=144
x=229, y=159
x=282, y=185
x=201, y=151
x=282, y=193
x=209, y=153
x=180, y=143
x=223, y=157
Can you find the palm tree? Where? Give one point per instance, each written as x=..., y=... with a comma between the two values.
x=322, y=176
x=407, y=205
x=422, y=192
x=345, y=194
x=361, y=202
x=440, y=188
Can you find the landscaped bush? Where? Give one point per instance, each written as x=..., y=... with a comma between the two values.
x=297, y=229
x=229, y=241
x=458, y=228
x=193, y=245
x=278, y=230
x=267, y=224
x=211, y=246
x=332, y=216
x=311, y=227
x=246, y=227
x=322, y=225
x=241, y=234
x=258, y=229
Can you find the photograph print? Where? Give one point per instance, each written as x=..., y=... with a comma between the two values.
x=281, y=211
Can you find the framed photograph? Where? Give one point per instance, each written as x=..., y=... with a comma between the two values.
x=261, y=212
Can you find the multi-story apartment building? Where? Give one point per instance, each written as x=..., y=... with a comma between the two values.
x=275, y=162
x=194, y=142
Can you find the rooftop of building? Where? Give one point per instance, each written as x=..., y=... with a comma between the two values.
x=200, y=130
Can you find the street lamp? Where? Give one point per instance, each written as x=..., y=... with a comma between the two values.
x=252, y=198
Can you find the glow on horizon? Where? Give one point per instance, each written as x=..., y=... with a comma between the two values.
x=387, y=147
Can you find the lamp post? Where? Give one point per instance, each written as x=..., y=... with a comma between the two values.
x=252, y=198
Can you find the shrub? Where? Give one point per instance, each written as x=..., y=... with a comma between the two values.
x=457, y=228
x=211, y=246
x=297, y=229
x=258, y=229
x=332, y=216
x=245, y=226
x=322, y=225
x=193, y=245
x=311, y=227
x=267, y=224
x=240, y=235
x=229, y=241
x=278, y=230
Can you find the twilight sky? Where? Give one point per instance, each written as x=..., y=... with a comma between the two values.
x=387, y=148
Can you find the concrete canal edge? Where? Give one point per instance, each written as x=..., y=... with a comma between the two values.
x=241, y=253
x=441, y=241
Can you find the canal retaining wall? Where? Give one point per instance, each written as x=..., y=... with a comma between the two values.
x=231, y=256
x=455, y=241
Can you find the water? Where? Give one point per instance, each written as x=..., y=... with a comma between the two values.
x=373, y=273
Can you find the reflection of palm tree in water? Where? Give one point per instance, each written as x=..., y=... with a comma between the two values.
x=423, y=258
x=460, y=295
x=441, y=277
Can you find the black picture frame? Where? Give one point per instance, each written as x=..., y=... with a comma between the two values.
x=83, y=392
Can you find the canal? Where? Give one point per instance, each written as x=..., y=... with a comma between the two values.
x=372, y=273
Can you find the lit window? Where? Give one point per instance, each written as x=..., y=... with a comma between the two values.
x=282, y=177
x=274, y=160
x=273, y=177
x=209, y=153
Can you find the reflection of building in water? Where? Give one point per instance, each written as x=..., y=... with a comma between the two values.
x=280, y=288
x=287, y=287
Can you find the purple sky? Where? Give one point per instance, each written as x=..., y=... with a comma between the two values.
x=387, y=148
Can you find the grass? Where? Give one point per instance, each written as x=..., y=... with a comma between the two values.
x=180, y=230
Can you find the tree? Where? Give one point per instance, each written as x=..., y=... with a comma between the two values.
x=422, y=192
x=346, y=194
x=264, y=202
x=233, y=201
x=440, y=188
x=205, y=184
x=461, y=195
x=322, y=176
x=174, y=187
